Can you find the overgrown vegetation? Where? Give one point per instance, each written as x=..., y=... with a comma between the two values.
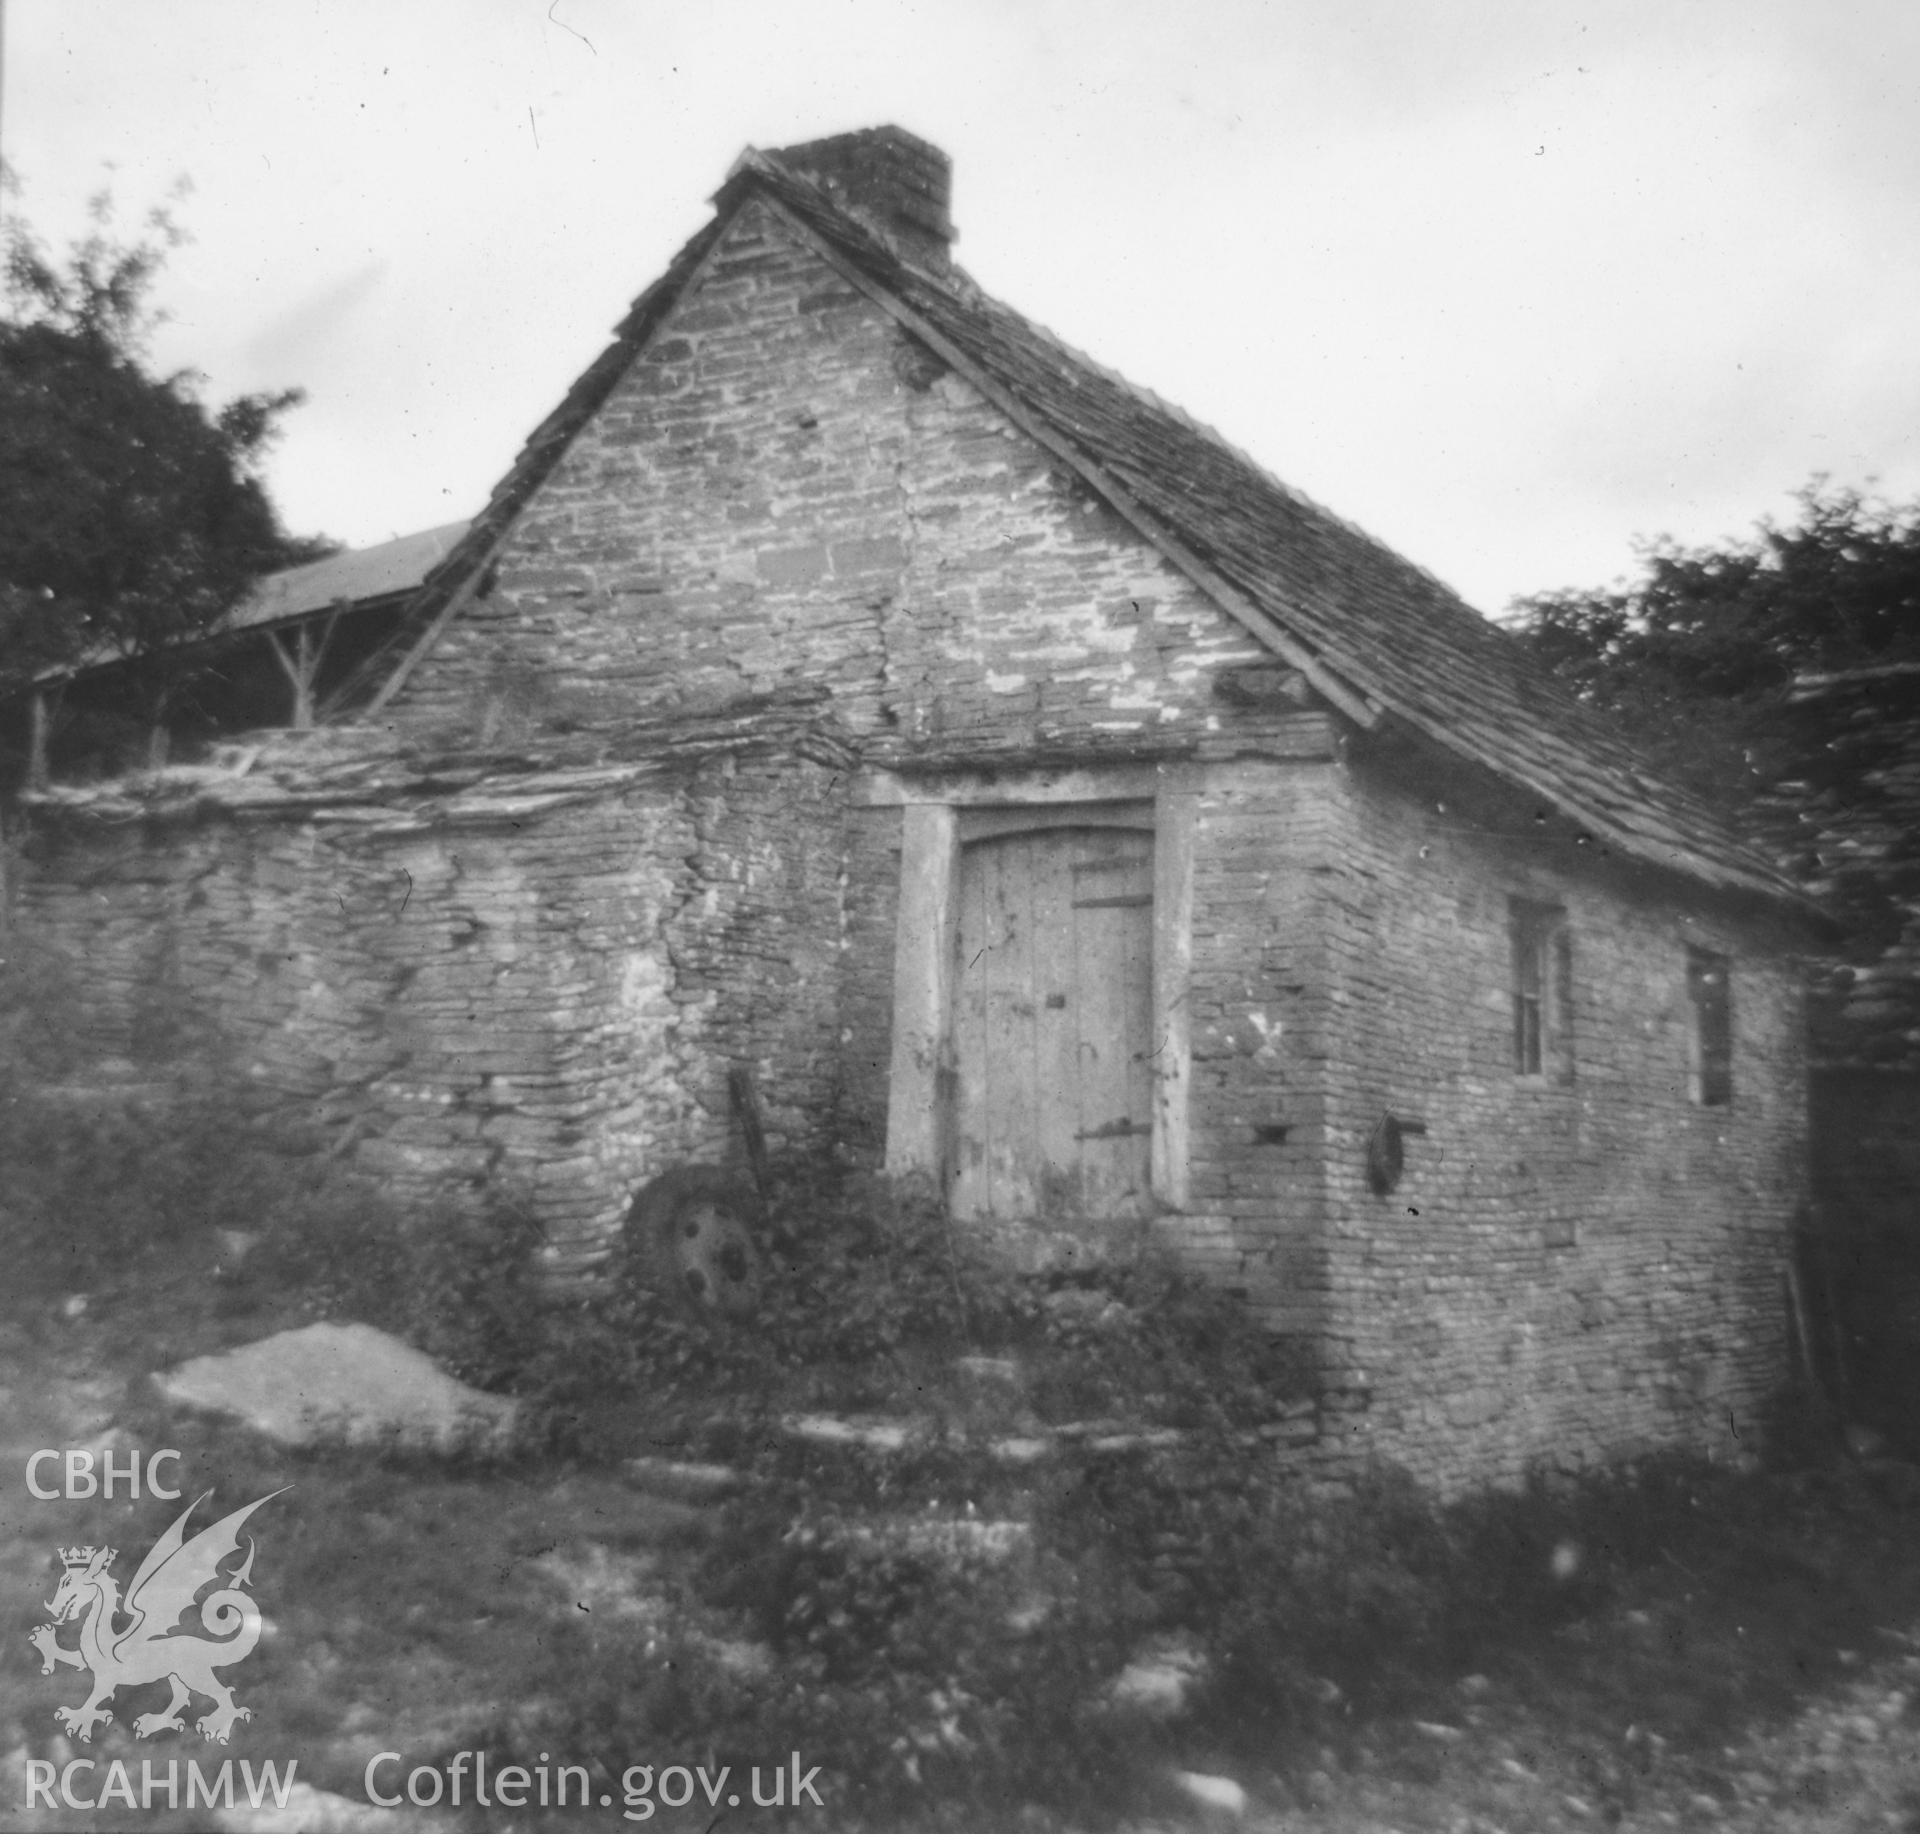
x=873, y=1300
x=938, y=1626
x=156, y=1199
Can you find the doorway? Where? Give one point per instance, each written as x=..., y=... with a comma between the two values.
x=1053, y=1086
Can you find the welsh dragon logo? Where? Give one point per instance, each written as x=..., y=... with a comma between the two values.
x=154, y=1645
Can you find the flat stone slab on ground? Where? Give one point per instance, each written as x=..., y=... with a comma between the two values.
x=884, y=1433
x=991, y=1371
x=1220, y=1794
x=606, y=1582
x=314, y=1811
x=1159, y=1682
x=341, y=1383
x=877, y=1433
x=682, y=1480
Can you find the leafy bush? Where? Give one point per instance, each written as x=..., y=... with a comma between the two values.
x=904, y=1676
x=473, y=1287
x=873, y=1268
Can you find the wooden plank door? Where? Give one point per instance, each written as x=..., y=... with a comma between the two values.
x=1052, y=1023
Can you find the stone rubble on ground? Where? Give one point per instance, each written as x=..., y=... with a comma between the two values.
x=604, y=1584
x=1159, y=1682
x=682, y=1480
x=342, y=1384
x=953, y=1540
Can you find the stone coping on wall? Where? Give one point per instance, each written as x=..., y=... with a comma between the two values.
x=365, y=777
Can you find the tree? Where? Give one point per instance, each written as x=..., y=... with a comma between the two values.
x=132, y=516
x=1699, y=655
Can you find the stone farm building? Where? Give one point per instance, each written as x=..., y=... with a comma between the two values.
x=853, y=684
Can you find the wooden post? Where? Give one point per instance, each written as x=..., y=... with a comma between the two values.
x=922, y=990
x=159, y=741
x=1803, y=1332
x=302, y=666
x=746, y=1104
x=37, y=742
x=1176, y=815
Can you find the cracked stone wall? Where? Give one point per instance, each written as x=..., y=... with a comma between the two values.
x=554, y=1002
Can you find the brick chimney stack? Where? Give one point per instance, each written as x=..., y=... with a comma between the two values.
x=897, y=184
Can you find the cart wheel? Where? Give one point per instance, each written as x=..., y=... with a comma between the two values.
x=691, y=1230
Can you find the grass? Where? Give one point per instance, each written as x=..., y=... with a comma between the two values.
x=1625, y=1651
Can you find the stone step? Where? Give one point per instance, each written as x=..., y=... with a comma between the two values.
x=683, y=1480
x=892, y=1434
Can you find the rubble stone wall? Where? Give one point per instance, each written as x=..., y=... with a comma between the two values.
x=554, y=1003
x=1573, y=1266
x=784, y=490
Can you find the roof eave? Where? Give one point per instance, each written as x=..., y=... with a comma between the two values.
x=755, y=175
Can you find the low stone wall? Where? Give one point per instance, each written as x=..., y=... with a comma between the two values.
x=537, y=986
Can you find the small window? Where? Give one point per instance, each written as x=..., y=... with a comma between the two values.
x=1542, y=990
x=1709, y=988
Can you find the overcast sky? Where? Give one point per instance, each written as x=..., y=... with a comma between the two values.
x=1510, y=283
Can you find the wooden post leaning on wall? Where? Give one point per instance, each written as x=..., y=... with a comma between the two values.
x=39, y=720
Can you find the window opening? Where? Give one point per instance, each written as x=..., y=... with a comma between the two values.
x=1709, y=988
x=1542, y=990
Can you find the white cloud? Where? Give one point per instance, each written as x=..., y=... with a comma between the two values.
x=1507, y=281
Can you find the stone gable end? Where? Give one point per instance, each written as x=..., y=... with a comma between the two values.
x=786, y=490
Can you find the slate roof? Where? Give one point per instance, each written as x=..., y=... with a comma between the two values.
x=1381, y=638
x=353, y=577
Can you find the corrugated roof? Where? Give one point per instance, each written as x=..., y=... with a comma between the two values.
x=347, y=578
x=1379, y=635
x=388, y=569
